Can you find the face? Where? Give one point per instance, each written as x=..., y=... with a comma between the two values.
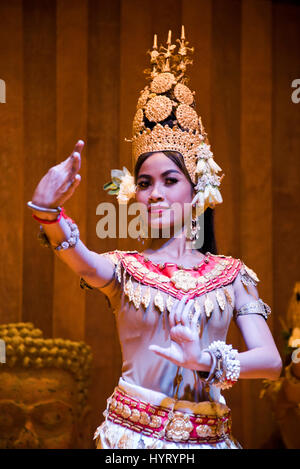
x=37, y=409
x=165, y=191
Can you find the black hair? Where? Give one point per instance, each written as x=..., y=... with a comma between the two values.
x=209, y=244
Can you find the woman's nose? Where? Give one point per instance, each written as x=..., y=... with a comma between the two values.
x=156, y=193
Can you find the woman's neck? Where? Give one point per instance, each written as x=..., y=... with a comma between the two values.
x=172, y=249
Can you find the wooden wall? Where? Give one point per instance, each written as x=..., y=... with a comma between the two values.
x=73, y=69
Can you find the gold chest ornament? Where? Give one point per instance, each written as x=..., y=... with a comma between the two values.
x=181, y=281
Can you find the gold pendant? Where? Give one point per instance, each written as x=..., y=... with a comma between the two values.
x=197, y=308
x=170, y=302
x=251, y=274
x=209, y=307
x=137, y=296
x=118, y=270
x=159, y=301
x=229, y=299
x=221, y=299
x=146, y=298
x=184, y=280
x=129, y=289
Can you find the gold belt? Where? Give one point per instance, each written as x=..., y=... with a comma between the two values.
x=177, y=421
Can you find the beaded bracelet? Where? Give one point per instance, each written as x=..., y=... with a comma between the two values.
x=74, y=236
x=229, y=369
x=73, y=239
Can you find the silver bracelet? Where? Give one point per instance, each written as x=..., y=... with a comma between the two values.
x=255, y=307
x=211, y=375
x=43, y=209
x=73, y=239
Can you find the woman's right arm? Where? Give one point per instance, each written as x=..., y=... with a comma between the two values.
x=57, y=186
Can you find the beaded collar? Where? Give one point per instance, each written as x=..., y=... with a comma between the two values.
x=212, y=272
x=211, y=275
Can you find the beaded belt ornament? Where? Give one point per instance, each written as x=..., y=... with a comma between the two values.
x=163, y=423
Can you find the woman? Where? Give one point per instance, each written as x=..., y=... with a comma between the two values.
x=173, y=303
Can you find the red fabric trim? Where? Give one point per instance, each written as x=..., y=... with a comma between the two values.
x=226, y=277
x=137, y=415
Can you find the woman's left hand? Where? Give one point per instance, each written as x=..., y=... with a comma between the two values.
x=185, y=348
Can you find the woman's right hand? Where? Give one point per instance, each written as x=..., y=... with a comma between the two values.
x=60, y=182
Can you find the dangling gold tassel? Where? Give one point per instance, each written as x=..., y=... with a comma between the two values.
x=221, y=299
x=159, y=301
x=146, y=298
x=229, y=299
x=169, y=303
x=209, y=307
x=137, y=296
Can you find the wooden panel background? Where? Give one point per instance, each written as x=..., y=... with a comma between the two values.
x=73, y=69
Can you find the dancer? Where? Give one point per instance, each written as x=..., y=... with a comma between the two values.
x=174, y=301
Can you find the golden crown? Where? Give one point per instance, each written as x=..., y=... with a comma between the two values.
x=166, y=119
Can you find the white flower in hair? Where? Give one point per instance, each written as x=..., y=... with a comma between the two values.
x=127, y=187
x=204, y=151
x=122, y=185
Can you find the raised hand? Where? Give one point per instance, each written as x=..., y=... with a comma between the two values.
x=185, y=348
x=60, y=182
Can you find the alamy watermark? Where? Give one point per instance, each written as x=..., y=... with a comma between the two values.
x=296, y=93
x=2, y=91
x=2, y=351
x=160, y=222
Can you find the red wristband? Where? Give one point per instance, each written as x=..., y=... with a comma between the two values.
x=47, y=222
x=50, y=222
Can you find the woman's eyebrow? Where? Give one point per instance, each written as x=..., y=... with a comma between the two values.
x=163, y=174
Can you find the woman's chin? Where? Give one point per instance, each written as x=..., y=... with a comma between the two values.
x=162, y=229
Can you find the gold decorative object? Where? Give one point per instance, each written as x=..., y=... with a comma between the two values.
x=159, y=301
x=156, y=421
x=162, y=82
x=167, y=120
x=187, y=117
x=229, y=299
x=146, y=298
x=158, y=108
x=184, y=95
x=142, y=101
x=137, y=297
x=221, y=299
x=179, y=282
x=251, y=273
x=138, y=121
x=179, y=428
x=170, y=302
x=44, y=381
x=209, y=307
x=184, y=280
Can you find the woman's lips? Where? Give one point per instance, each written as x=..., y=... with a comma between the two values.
x=157, y=210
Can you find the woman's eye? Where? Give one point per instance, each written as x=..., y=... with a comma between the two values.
x=143, y=184
x=170, y=181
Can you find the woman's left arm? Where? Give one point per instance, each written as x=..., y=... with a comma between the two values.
x=262, y=359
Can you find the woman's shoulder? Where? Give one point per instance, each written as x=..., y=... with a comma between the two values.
x=116, y=255
x=246, y=274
